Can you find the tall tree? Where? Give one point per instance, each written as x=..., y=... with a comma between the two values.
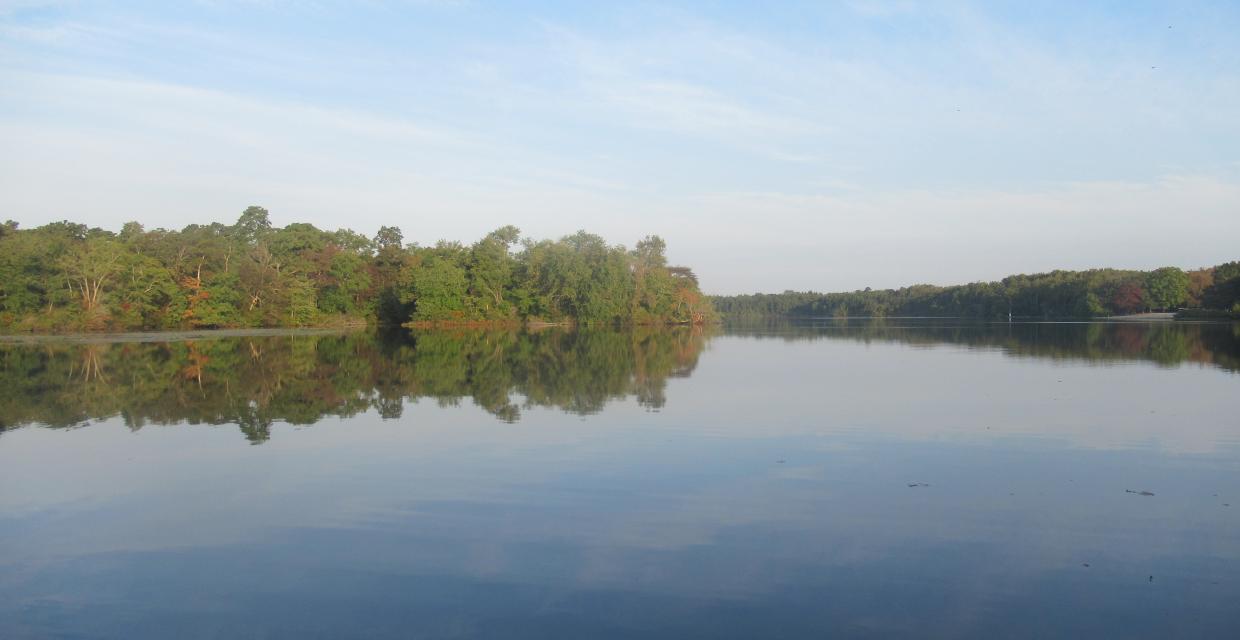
x=1166, y=288
x=89, y=268
x=253, y=225
x=490, y=272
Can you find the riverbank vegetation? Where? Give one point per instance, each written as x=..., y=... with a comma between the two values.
x=1058, y=294
x=68, y=277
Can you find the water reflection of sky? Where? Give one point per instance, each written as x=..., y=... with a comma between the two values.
x=769, y=497
x=947, y=391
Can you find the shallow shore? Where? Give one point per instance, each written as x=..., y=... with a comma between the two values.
x=1207, y=314
x=1144, y=317
x=173, y=336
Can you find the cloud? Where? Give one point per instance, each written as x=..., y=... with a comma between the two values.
x=695, y=109
x=170, y=154
x=834, y=154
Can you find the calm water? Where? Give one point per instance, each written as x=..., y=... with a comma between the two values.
x=781, y=480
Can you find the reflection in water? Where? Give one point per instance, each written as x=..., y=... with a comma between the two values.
x=892, y=479
x=1165, y=343
x=299, y=379
x=255, y=381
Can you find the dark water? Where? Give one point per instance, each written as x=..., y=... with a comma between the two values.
x=753, y=482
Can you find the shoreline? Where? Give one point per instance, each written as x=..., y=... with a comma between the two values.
x=174, y=335
x=1156, y=316
x=189, y=335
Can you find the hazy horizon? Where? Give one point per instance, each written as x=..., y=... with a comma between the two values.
x=868, y=143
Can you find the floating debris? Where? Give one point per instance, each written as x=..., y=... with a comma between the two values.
x=919, y=484
x=1085, y=564
x=1140, y=493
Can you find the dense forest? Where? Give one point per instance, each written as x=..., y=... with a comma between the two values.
x=1058, y=294
x=66, y=277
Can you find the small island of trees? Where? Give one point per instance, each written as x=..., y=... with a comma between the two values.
x=68, y=277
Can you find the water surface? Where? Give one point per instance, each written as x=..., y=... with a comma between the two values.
x=903, y=478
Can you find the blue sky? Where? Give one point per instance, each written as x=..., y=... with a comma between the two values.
x=829, y=146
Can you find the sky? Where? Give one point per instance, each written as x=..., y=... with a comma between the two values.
x=818, y=145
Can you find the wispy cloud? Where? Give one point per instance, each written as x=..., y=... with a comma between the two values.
x=688, y=108
x=883, y=138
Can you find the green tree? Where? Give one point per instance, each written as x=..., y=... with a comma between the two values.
x=253, y=225
x=302, y=305
x=389, y=261
x=218, y=305
x=389, y=238
x=90, y=267
x=347, y=282
x=1166, y=288
x=490, y=273
x=147, y=295
x=1224, y=290
x=69, y=276
x=437, y=288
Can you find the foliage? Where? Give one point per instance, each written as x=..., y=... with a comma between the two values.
x=1058, y=294
x=65, y=276
x=1224, y=290
x=1166, y=288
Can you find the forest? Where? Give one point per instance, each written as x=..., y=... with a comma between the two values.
x=68, y=277
x=1058, y=294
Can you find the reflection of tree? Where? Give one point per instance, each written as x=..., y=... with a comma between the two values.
x=1165, y=343
x=91, y=369
x=1169, y=347
x=254, y=382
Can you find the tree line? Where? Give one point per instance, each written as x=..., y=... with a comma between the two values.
x=65, y=276
x=1058, y=294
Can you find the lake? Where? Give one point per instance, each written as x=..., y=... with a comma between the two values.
x=811, y=479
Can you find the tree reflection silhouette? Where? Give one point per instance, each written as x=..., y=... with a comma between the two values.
x=254, y=382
